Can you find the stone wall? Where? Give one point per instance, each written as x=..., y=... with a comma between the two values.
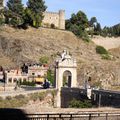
x=107, y=42
x=99, y=98
x=103, y=98
x=58, y=19
x=68, y=94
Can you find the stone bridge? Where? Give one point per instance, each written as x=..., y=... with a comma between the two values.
x=99, y=98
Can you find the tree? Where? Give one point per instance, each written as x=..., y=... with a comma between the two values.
x=1, y=17
x=50, y=76
x=14, y=12
x=92, y=21
x=97, y=29
x=77, y=24
x=80, y=19
x=36, y=9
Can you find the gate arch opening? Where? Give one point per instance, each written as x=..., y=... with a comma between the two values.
x=67, y=78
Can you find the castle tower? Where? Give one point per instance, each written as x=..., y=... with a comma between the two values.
x=62, y=19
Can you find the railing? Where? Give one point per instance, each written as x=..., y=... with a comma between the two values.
x=79, y=116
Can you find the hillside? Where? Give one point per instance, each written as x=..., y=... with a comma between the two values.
x=18, y=46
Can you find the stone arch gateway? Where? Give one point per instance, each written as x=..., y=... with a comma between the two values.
x=65, y=65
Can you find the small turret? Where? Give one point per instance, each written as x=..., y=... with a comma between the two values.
x=62, y=19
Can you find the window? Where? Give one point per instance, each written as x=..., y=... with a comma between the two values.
x=14, y=80
x=24, y=79
x=9, y=80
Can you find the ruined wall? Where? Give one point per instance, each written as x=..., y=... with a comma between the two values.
x=58, y=19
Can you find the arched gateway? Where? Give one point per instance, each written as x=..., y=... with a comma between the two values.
x=66, y=73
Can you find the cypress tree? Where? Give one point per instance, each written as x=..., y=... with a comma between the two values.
x=14, y=12
x=36, y=8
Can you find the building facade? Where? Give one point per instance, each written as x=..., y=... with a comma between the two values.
x=35, y=73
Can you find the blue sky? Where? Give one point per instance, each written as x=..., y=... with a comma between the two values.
x=107, y=12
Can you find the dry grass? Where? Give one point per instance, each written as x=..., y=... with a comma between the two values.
x=29, y=45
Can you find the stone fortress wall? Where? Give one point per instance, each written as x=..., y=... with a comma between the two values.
x=58, y=19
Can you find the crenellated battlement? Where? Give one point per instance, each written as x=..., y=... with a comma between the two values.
x=56, y=18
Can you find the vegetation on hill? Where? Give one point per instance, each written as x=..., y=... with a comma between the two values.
x=18, y=16
x=77, y=24
x=82, y=27
x=20, y=46
x=23, y=100
x=36, y=9
x=104, y=53
x=80, y=104
x=101, y=50
x=111, y=31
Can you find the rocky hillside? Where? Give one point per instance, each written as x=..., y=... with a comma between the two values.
x=18, y=46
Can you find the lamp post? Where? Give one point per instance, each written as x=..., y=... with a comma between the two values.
x=4, y=78
x=4, y=85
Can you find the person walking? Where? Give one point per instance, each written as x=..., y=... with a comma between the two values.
x=2, y=74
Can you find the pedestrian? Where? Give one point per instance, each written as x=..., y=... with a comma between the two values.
x=2, y=74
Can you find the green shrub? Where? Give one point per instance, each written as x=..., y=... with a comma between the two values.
x=50, y=76
x=106, y=56
x=80, y=104
x=44, y=60
x=85, y=36
x=101, y=50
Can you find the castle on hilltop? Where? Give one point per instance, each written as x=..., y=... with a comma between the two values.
x=51, y=19
x=57, y=19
